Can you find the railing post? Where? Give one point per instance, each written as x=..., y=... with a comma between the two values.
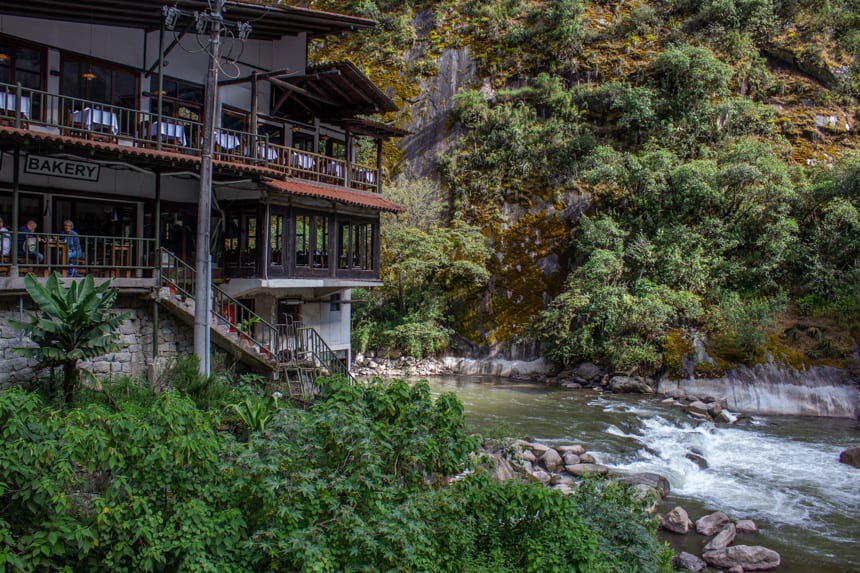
x=18, y=106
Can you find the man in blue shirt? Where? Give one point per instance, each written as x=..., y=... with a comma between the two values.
x=73, y=245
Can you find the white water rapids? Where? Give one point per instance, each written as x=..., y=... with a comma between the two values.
x=782, y=472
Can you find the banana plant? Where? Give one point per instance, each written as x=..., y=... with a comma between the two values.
x=73, y=323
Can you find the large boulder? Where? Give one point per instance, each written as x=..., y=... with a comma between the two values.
x=677, y=521
x=629, y=384
x=583, y=470
x=711, y=524
x=656, y=481
x=588, y=371
x=851, y=456
x=749, y=557
x=570, y=459
x=723, y=539
x=689, y=562
x=575, y=449
x=551, y=460
x=502, y=470
x=746, y=526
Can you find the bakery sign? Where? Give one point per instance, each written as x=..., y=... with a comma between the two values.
x=66, y=168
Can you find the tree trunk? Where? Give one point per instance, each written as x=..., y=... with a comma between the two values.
x=70, y=379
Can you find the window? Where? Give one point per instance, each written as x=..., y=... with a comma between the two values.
x=276, y=239
x=99, y=82
x=356, y=245
x=182, y=100
x=312, y=241
x=21, y=64
x=24, y=65
x=334, y=303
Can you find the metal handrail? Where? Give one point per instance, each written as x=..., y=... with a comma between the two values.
x=86, y=119
x=226, y=310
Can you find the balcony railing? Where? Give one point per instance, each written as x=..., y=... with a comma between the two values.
x=79, y=255
x=84, y=119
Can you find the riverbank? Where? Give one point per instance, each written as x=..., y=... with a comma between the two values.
x=768, y=388
x=782, y=472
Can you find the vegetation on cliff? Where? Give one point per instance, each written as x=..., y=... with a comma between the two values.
x=711, y=145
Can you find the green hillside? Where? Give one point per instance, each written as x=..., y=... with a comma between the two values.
x=638, y=171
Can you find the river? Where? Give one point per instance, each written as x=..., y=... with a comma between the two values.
x=781, y=472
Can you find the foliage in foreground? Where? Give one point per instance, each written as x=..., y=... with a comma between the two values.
x=133, y=480
x=75, y=322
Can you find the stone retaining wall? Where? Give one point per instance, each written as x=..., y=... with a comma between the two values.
x=134, y=358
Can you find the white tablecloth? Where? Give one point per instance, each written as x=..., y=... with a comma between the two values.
x=170, y=132
x=8, y=103
x=226, y=140
x=96, y=120
x=301, y=160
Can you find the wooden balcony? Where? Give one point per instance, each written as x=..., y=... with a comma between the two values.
x=116, y=257
x=87, y=120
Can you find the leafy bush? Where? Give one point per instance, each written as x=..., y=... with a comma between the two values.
x=355, y=483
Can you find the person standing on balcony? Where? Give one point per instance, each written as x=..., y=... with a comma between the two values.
x=28, y=242
x=5, y=239
x=73, y=246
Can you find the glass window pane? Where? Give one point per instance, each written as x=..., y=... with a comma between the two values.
x=303, y=241
x=276, y=239
x=321, y=242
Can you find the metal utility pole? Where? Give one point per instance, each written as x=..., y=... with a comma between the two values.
x=203, y=285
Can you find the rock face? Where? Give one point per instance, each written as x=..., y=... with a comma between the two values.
x=677, y=521
x=748, y=557
x=851, y=456
x=711, y=524
x=772, y=389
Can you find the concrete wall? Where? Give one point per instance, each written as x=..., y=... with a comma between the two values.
x=133, y=359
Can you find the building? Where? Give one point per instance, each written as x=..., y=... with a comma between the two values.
x=101, y=123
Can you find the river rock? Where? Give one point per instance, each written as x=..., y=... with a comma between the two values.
x=587, y=459
x=723, y=539
x=697, y=459
x=582, y=470
x=851, y=456
x=559, y=479
x=749, y=557
x=658, y=482
x=715, y=409
x=527, y=455
x=572, y=449
x=571, y=459
x=677, y=521
x=628, y=384
x=689, y=562
x=537, y=448
x=551, y=460
x=735, y=569
x=588, y=371
x=746, y=526
x=698, y=407
x=541, y=476
x=502, y=469
x=711, y=524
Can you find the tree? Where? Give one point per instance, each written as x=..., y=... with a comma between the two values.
x=74, y=323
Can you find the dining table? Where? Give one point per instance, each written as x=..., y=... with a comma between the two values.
x=96, y=120
x=9, y=104
x=171, y=133
x=226, y=140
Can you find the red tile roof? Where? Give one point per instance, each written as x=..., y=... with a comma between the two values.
x=339, y=194
x=292, y=186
